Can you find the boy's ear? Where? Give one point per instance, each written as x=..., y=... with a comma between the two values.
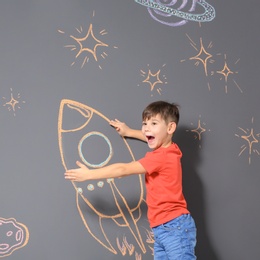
x=171, y=127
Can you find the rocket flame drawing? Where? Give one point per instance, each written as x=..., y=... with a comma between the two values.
x=85, y=134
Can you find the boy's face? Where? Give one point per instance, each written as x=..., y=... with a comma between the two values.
x=157, y=132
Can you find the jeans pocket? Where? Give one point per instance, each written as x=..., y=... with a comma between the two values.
x=176, y=223
x=171, y=225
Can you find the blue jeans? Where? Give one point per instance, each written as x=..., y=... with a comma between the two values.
x=176, y=239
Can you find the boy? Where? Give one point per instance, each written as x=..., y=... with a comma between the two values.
x=172, y=225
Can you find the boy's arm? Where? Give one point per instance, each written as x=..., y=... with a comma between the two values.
x=111, y=171
x=126, y=131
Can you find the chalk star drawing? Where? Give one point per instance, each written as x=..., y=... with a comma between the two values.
x=13, y=236
x=90, y=138
x=181, y=11
x=152, y=79
x=251, y=139
x=13, y=103
x=88, y=44
x=206, y=58
x=226, y=71
x=198, y=130
x=203, y=56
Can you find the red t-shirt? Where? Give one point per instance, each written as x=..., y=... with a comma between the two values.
x=163, y=181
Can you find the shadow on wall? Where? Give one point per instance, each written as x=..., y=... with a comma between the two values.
x=193, y=190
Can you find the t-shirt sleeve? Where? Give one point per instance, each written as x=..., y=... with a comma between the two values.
x=152, y=162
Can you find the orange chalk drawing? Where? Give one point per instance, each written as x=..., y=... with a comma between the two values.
x=85, y=134
x=13, y=236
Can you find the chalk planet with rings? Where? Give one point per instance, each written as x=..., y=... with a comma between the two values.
x=183, y=10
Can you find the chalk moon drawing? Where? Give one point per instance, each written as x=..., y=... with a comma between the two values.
x=85, y=134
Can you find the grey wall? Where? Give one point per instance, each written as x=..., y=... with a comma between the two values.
x=211, y=69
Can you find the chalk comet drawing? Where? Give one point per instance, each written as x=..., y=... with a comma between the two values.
x=184, y=10
x=88, y=137
x=13, y=236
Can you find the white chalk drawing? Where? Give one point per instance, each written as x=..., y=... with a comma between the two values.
x=179, y=12
x=155, y=79
x=13, y=236
x=13, y=102
x=85, y=134
x=199, y=129
x=88, y=45
x=250, y=139
x=205, y=57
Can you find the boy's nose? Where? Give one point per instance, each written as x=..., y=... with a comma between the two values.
x=147, y=129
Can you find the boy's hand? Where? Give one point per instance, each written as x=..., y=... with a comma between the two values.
x=80, y=174
x=120, y=127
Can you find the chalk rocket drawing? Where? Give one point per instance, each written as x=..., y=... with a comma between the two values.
x=179, y=12
x=13, y=236
x=88, y=137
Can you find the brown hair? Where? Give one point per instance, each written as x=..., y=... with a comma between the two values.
x=168, y=111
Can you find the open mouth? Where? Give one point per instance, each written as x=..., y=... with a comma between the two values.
x=149, y=137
